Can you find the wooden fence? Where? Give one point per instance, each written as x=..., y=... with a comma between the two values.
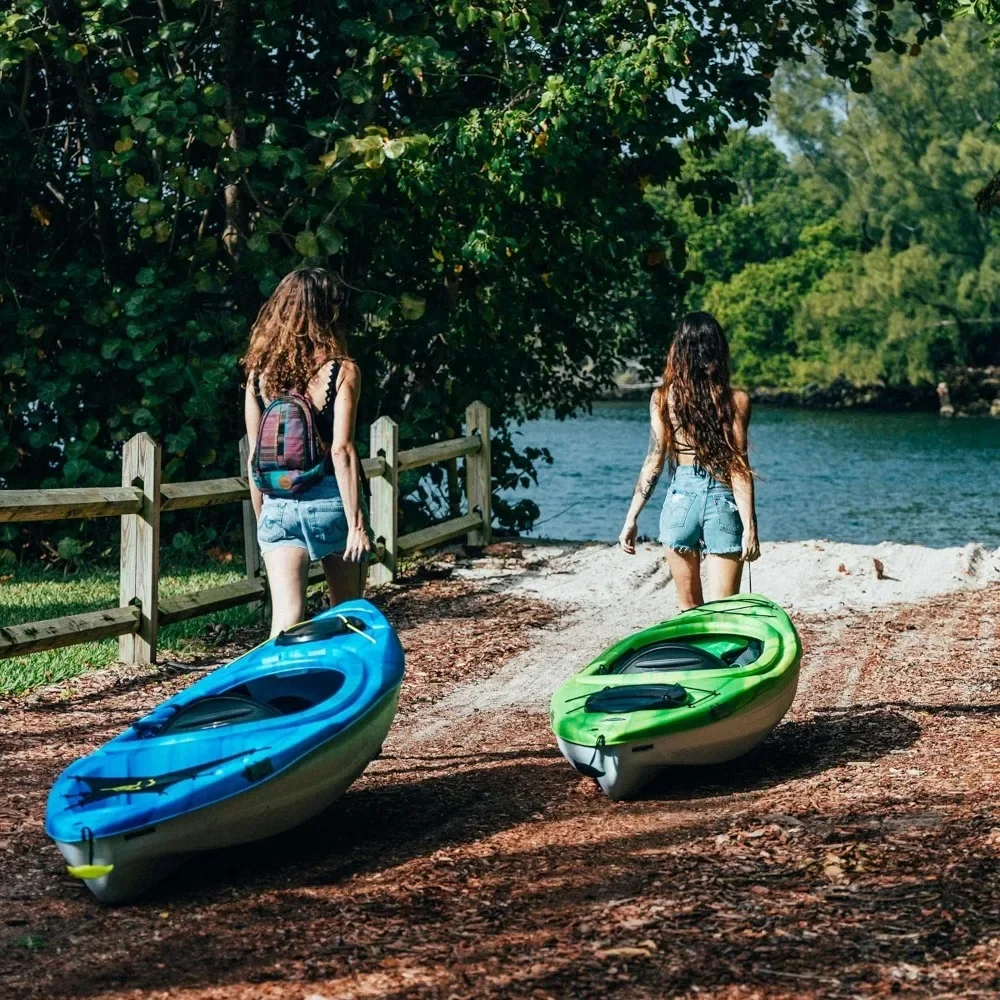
x=142, y=498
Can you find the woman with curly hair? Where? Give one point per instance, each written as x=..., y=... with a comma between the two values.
x=298, y=346
x=698, y=425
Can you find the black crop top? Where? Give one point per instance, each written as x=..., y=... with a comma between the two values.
x=324, y=417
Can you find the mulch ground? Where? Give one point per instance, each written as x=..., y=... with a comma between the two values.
x=854, y=854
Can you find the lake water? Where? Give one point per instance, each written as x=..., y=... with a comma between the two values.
x=845, y=476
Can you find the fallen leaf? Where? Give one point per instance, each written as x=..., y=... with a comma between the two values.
x=879, y=569
x=843, y=569
x=623, y=953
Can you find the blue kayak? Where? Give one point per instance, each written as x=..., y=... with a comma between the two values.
x=253, y=749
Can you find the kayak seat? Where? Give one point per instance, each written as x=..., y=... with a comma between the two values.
x=289, y=704
x=636, y=698
x=668, y=656
x=744, y=657
x=684, y=656
x=218, y=710
x=294, y=690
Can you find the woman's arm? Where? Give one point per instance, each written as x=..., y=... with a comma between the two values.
x=649, y=475
x=346, y=464
x=251, y=414
x=742, y=483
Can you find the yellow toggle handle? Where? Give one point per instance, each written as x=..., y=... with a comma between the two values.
x=364, y=635
x=88, y=871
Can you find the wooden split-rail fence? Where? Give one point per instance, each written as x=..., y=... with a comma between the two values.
x=142, y=498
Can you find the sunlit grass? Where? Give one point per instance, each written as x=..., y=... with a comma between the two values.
x=33, y=593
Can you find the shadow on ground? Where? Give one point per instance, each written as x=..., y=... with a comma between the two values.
x=796, y=749
x=503, y=873
x=702, y=899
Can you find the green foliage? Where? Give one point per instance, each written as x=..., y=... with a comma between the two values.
x=771, y=203
x=759, y=305
x=475, y=170
x=863, y=255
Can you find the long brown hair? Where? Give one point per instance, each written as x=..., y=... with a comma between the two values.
x=697, y=399
x=297, y=331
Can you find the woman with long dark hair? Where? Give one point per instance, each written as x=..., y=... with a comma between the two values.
x=698, y=426
x=298, y=346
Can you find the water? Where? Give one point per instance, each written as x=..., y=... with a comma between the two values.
x=845, y=476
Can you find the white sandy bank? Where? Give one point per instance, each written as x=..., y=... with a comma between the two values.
x=611, y=594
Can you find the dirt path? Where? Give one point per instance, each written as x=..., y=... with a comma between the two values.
x=855, y=854
x=606, y=594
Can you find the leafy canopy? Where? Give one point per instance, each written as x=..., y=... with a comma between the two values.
x=476, y=171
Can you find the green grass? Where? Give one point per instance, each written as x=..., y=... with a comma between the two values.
x=34, y=593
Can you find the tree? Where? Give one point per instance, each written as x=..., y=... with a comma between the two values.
x=475, y=170
x=908, y=159
x=771, y=204
x=760, y=304
x=863, y=254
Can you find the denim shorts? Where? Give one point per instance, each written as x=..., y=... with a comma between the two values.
x=314, y=521
x=700, y=514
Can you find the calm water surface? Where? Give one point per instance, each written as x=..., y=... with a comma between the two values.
x=852, y=477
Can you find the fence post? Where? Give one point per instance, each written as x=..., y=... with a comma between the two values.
x=385, y=497
x=477, y=472
x=140, y=555
x=250, y=546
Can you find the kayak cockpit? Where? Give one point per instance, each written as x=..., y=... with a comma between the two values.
x=257, y=699
x=681, y=655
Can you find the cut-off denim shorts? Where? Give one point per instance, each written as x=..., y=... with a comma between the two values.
x=700, y=514
x=314, y=521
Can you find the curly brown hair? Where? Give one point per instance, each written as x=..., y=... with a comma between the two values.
x=298, y=330
x=696, y=397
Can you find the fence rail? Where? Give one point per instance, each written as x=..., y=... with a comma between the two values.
x=142, y=498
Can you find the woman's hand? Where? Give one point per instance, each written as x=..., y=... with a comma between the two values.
x=751, y=547
x=358, y=545
x=627, y=538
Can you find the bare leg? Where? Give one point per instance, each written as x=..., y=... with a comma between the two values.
x=723, y=575
x=685, y=568
x=345, y=580
x=287, y=568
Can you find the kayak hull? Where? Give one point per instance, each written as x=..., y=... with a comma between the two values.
x=702, y=688
x=623, y=770
x=140, y=859
x=250, y=750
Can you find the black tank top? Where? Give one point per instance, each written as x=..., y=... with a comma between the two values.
x=323, y=417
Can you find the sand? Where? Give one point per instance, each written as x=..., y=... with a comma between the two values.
x=609, y=594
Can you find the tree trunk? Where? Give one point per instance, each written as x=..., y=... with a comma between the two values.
x=234, y=42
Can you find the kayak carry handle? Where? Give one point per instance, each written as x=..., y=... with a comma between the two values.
x=319, y=629
x=89, y=871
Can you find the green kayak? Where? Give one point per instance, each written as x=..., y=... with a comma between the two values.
x=701, y=688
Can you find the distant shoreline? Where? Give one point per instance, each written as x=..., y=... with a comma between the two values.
x=962, y=392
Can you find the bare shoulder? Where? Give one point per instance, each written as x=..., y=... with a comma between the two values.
x=656, y=406
x=348, y=376
x=741, y=403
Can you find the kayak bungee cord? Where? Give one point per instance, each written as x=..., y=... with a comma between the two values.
x=354, y=628
x=693, y=704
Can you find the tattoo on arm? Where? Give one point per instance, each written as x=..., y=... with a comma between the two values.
x=650, y=474
x=647, y=483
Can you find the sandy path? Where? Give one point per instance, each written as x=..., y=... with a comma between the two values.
x=610, y=594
